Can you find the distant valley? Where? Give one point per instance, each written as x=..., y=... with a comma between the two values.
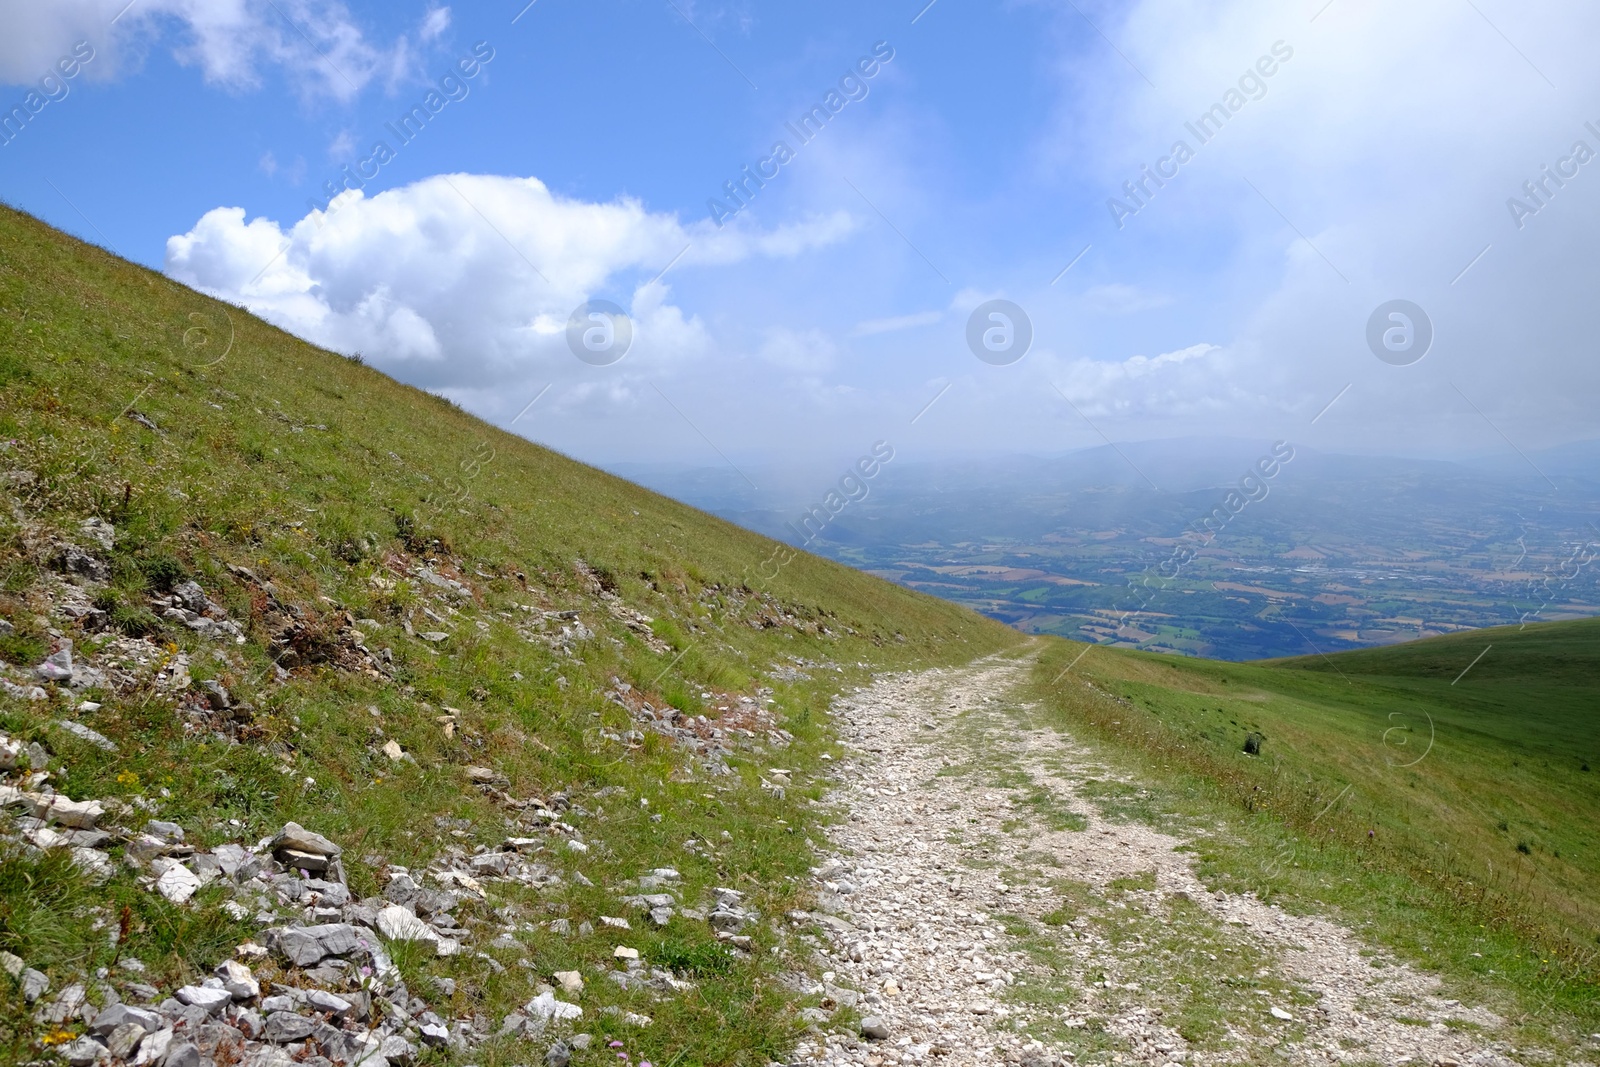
x=1331, y=552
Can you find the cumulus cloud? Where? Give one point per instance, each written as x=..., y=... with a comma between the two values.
x=1192, y=379
x=317, y=43
x=1377, y=164
x=459, y=281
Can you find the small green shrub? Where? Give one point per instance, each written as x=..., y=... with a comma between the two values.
x=162, y=572
x=696, y=958
x=134, y=620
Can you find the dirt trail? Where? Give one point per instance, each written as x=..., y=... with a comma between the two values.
x=984, y=923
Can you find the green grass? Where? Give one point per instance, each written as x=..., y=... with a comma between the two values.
x=331, y=481
x=1386, y=792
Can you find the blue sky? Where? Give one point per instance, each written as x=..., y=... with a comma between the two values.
x=1375, y=162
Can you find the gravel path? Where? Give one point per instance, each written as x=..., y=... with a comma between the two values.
x=947, y=928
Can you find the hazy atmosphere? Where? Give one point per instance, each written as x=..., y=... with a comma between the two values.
x=705, y=533
x=1362, y=153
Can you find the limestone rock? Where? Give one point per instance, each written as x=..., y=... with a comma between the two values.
x=84, y=1051
x=283, y=1027
x=296, y=838
x=238, y=980
x=212, y=1000
x=178, y=883
x=399, y=923
x=545, y=1007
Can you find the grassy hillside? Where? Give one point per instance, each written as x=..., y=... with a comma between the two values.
x=416, y=594
x=1533, y=688
x=1455, y=814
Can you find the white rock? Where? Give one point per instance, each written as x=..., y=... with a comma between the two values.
x=34, y=984
x=98, y=740
x=84, y=1051
x=57, y=668
x=1279, y=1013
x=92, y=862
x=399, y=923
x=212, y=1000
x=153, y=1048
x=77, y=814
x=545, y=1007
x=178, y=884
x=44, y=837
x=322, y=1000
x=238, y=980
x=66, y=1006
x=460, y=879
x=143, y=848
x=296, y=838
x=122, y=1041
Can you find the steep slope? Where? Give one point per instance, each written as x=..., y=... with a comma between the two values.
x=552, y=739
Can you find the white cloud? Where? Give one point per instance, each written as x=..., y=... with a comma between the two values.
x=664, y=335
x=1190, y=379
x=461, y=281
x=741, y=239
x=317, y=43
x=1390, y=140
x=801, y=351
x=895, y=324
x=434, y=23
x=1118, y=299
x=343, y=146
